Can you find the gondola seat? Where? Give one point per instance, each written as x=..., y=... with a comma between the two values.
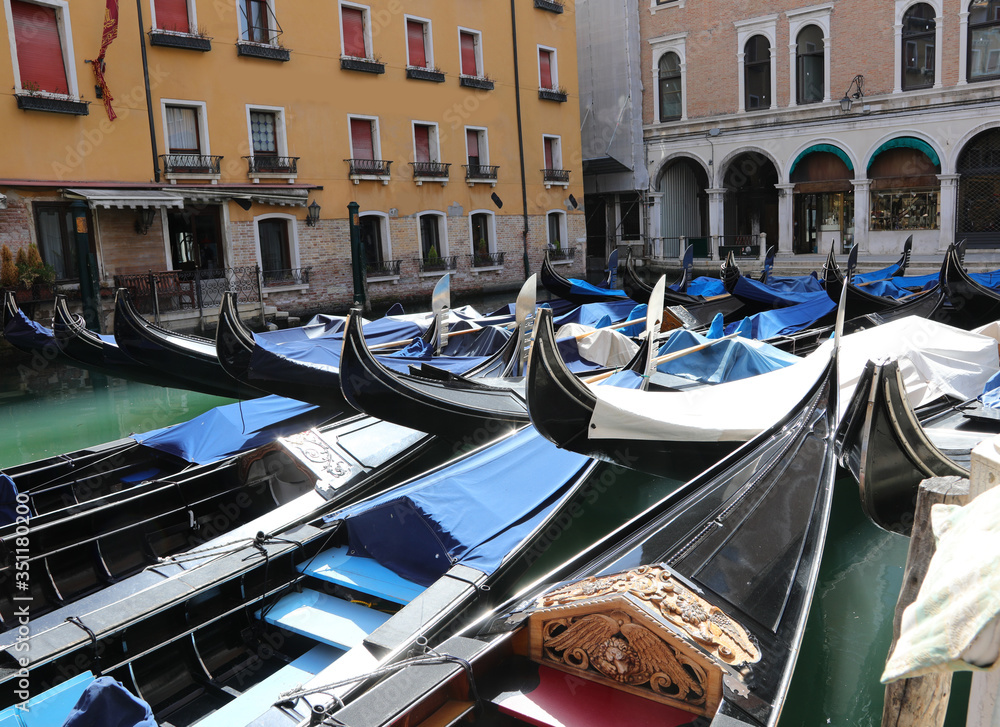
x=325, y=618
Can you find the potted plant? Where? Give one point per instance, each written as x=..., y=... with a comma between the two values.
x=34, y=276
x=8, y=270
x=433, y=261
x=482, y=256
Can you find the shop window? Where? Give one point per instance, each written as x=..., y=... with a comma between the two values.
x=904, y=190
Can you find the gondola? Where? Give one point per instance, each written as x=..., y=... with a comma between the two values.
x=578, y=291
x=896, y=270
x=175, y=354
x=691, y=613
x=675, y=294
x=859, y=301
x=108, y=532
x=889, y=447
x=972, y=303
x=25, y=334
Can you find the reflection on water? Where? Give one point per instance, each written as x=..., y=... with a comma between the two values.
x=63, y=408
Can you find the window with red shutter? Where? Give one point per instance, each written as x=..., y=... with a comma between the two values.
x=39, y=48
x=469, y=65
x=354, y=32
x=472, y=143
x=545, y=68
x=422, y=143
x=549, y=156
x=172, y=15
x=362, y=146
x=415, y=43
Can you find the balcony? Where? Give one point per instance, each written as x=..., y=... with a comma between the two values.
x=483, y=83
x=173, y=39
x=372, y=169
x=383, y=270
x=272, y=167
x=481, y=174
x=561, y=255
x=267, y=51
x=437, y=265
x=553, y=6
x=191, y=165
x=51, y=103
x=425, y=74
x=365, y=65
x=558, y=177
x=290, y=278
x=553, y=94
x=482, y=261
x=430, y=172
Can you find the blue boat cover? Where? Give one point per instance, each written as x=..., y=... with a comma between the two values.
x=788, y=320
x=991, y=392
x=754, y=290
x=590, y=314
x=705, y=287
x=234, y=428
x=637, y=314
x=875, y=275
x=25, y=334
x=899, y=287
x=8, y=500
x=106, y=703
x=582, y=287
x=717, y=328
x=794, y=283
x=383, y=330
x=474, y=511
x=729, y=360
x=989, y=280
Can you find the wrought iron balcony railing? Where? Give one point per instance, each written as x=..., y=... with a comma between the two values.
x=481, y=172
x=553, y=6
x=556, y=176
x=272, y=165
x=487, y=259
x=434, y=170
x=369, y=167
x=191, y=163
x=435, y=264
x=383, y=268
x=483, y=83
x=291, y=276
x=561, y=253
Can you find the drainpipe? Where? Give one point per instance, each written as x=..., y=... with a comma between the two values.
x=149, y=95
x=520, y=139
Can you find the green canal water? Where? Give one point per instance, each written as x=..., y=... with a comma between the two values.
x=59, y=409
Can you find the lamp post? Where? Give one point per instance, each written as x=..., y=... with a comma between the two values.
x=358, y=264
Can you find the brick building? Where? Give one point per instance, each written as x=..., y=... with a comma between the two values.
x=808, y=126
x=244, y=128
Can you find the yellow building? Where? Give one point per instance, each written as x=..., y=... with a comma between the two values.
x=245, y=127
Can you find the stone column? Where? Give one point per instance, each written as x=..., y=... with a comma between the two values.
x=792, y=72
x=827, y=81
x=897, y=85
x=653, y=223
x=716, y=216
x=786, y=212
x=963, y=49
x=862, y=213
x=740, y=58
x=949, y=209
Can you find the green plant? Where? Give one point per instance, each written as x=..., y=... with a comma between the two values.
x=8, y=271
x=432, y=254
x=31, y=269
x=31, y=87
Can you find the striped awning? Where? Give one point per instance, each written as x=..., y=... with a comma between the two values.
x=126, y=198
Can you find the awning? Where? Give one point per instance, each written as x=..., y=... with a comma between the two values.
x=3, y=201
x=823, y=147
x=126, y=198
x=290, y=198
x=908, y=142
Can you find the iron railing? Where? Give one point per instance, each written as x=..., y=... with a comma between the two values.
x=291, y=276
x=438, y=264
x=369, y=167
x=167, y=291
x=191, y=163
x=742, y=246
x=562, y=253
x=272, y=165
x=487, y=259
x=436, y=170
x=481, y=172
x=383, y=268
x=556, y=176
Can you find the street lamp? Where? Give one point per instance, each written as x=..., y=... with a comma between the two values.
x=312, y=214
x=858, y=84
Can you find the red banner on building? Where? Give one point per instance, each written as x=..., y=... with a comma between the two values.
x=110, y=33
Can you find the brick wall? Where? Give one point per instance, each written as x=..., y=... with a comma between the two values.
x=15, y=224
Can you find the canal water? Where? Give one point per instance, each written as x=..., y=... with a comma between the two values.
x=51, y=409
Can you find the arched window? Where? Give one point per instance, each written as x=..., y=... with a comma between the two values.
x=918, y=47
x=757, y=67
x=810, y=86
x=670, y=87
x=978, y=214
x=984, y=39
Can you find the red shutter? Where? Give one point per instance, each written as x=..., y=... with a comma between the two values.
x=39, y=48
x=361, y=139
x=545, y=68
x=172, y=15
x=472, y=141
x=469, y=67
x=422, y=142
x=354, y=32
x=548, y=154
x=415, y=42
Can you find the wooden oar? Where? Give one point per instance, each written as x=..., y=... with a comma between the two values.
x=665, y=357
x=612, y=327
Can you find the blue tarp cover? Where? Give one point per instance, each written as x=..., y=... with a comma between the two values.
x=234, y=428
x=474, y=511
x=788, y=320
x=106, y=703
x=582, y=287
x=795, y=283
x=874, y=275
x=990, y=279
x=730, y=360
x=590, y=314
x=900, y=287
x=705, y=287
x=754, y=290
x=991, y=392
x=25, y=334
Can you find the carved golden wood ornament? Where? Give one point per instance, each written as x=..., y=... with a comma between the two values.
x=641, y=631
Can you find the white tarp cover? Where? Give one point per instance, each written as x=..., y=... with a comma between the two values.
x=935, y=359
x=604, y=346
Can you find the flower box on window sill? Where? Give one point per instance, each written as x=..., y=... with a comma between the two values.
x=552, y=94
x=173, y=39
x=557, y=177
x=376, y=170
x=552, y=6
x=54, y=103
x=425, y=74
x=366, y=65
x=430, y=172
x=262, y=50
x=480, y=82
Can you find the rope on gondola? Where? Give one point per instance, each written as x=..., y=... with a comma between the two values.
x=96, y=663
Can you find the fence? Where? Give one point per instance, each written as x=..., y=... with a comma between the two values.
x=154, y=293
x=742, y=246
